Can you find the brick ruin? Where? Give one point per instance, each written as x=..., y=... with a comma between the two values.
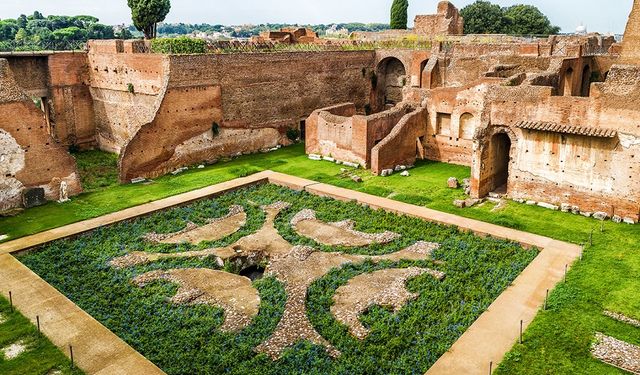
x=552, y=121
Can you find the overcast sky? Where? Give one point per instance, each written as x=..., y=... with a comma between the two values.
x=597, y=15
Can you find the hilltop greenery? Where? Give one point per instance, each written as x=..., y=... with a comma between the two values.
x=53, y=32
x=484, y=17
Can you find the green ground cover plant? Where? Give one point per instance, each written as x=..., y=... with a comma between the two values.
x=185, y=339
x=40, y=357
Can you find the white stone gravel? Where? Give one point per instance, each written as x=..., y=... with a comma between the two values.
x=14, y=350
x=622, y=318
x=617, y=353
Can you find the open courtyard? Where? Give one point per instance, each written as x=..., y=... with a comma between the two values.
x=448, y=193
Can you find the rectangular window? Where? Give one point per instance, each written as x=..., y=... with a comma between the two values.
x=443, y=124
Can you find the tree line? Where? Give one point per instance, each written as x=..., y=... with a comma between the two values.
x=484, y=17
x=39, y=32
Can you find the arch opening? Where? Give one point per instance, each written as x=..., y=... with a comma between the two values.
x=392, y=76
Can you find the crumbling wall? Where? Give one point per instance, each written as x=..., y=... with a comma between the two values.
x=400, y=147
x=72, y=114
x=631, y=41
x=258, y=96
x=339, y=133
x=591, y=172
x=29, y=156
x=127, y=89
x=446, y=22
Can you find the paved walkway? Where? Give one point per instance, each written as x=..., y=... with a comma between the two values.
x=487, y=340
x=96, y=350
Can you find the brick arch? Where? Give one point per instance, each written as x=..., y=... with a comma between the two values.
x=495, y=148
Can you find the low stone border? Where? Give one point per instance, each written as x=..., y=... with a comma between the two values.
x=487, y=340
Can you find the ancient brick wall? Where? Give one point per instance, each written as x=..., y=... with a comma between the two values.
x=631, y=41
x=31, y=74
x=30, y=157
x=339, y=133
x=258, y=96
x=72, y=113
x=127, y=90
x=400, y=147
x=446, y=22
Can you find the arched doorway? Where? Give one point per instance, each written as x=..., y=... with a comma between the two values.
x=500, y=157
x=392, y=77
x=586, y=81
x=568, y=82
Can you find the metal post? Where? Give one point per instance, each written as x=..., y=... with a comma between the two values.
x=71, y=355
x=566, y=268
x=546, y=300
x=11, y=301
x=591, y=237
x=38, y=322
x=521, y=324
x=490, y=367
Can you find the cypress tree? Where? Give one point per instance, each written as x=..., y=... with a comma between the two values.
x=399, y=14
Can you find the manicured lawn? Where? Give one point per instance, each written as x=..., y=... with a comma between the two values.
x=186, y=339
x=559, y=339
x=41, y=355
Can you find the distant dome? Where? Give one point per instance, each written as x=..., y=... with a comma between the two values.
x=581, y=29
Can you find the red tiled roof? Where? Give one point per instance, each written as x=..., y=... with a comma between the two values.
x=587, y=131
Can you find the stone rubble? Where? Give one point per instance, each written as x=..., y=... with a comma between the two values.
x=622, y=318
x=617, y=353
x=405, y=174
x=14, y=350
x=453, y=183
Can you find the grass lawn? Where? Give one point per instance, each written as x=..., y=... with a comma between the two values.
x=557, y=342
x=41, y=356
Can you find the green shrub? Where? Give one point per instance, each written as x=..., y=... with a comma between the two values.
x=293, y=134
x=181, y=45
x=130, y=88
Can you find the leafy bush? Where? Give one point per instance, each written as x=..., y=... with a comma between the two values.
x=293, y=134
x=185, y=339
x=180, y=45
x=130, y=88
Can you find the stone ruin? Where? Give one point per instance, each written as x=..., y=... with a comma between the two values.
x=550, y=121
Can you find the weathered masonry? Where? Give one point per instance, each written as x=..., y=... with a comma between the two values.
x=553, y=121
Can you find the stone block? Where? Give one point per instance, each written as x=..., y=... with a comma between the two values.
x=405, y=174
x=616, y=219
x=328, y=158
x=386, y=172
x=548, y=205
x=586, y=214
x=628, y=220
x=601, y=216
x=575, y=210
x=356, y=178
x=531, y=203
x=565, y=207
x=315, y=157
x=453, y=183
x=460, y=203
x=33, y=197
x=350, y=164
